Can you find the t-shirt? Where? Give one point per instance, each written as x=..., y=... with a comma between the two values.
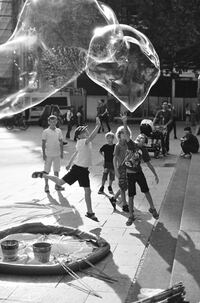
x=108, y=151
x=163, y=116
x=52, y=138
x=192, y=140
x=84, y=155
x=134, y=155
x=120, y=152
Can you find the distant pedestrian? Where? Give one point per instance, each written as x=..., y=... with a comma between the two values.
x=78, y=167
x=70, y=121
x=164, y=118
x=189, y=143
x=80, y=115
x=103, y=114
x=135, y=153
x=43, y=120
x=197, y=132
x=187, y=114
x=173, y=125
x=107, y=151
x=52, y=148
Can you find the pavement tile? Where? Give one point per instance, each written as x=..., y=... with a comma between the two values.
x=127, y=243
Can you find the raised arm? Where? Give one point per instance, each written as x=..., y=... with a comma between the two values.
x=94, y=132
x=126, y=131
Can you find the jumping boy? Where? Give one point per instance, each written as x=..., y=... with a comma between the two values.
x=107, y=151
x=135, y=153
x=78, y=165
x=52, y=149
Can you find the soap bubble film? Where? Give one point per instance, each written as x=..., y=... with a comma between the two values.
x=56, y=40
x=48, y=48
x=124, y=62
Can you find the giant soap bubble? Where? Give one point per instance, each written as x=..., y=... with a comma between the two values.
x=48, y=48
x=124, y=62
x=56, y=40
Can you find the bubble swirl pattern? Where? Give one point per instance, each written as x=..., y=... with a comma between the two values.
x=56, y=40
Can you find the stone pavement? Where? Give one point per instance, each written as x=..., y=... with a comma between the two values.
x=23, y=200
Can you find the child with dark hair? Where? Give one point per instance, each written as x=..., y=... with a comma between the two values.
x=136, y=151
x=189, y=143
x=107, y=151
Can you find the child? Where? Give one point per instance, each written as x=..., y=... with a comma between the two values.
x=189, y=143
x=120, y=169
x=135, y=153
x=81, y=160
x=52, y=148
x=107, y=151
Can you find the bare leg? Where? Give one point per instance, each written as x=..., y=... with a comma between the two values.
x=123, y=196
x=54, y=179
x=88, y=199
x=149, y=199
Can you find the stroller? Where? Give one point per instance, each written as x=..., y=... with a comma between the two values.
x=155, y=137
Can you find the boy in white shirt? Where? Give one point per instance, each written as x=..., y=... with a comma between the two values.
x=81, y=160
x=52, y=148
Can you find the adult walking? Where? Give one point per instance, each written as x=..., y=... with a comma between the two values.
x=103, y=115
x=164, y=118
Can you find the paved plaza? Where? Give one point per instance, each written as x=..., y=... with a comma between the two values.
x=23, y=200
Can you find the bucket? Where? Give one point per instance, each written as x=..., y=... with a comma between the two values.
x=10, y=249
x=42, y=251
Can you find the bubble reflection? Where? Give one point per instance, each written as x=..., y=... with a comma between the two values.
x=124, y=62
x=48, y=48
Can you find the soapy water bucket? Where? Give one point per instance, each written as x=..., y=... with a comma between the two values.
x=10, y=249
x=42, y=251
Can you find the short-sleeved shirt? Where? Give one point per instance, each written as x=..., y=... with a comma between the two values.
x=134, y=156
x=84, y=155
x=52, y=138
x=120, y=152
x=163, y=116
x=108, y=150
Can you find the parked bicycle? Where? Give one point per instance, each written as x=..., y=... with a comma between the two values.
x=16, y=121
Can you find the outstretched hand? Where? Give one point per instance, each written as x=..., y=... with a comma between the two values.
x=98, y=122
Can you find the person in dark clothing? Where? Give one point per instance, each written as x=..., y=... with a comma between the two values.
x=164, y=118
x=173, y=125
x=107, y=151
x=189, y=143
x=102, y=113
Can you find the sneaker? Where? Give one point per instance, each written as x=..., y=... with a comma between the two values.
x=182, y=155
x=101, y=190
x=92, y=216
x=130, y=220
x=46, y=189
x=125, y=208
x=110, y=189
x=154, y=213
x=59, y=188
x=113, y=202
x=65, y=143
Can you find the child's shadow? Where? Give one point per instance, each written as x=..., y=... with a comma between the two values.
x=66, y=217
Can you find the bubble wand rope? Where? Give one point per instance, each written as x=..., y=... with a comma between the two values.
x=100, y=271
x=75, y=276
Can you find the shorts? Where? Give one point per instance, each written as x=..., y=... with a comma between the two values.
x=123, y=185
x=138, y=178
x=110, y=172
x=52, y=160
x=78, y=173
